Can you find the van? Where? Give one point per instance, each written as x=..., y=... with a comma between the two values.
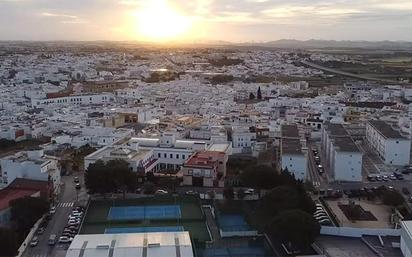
x=52, y=239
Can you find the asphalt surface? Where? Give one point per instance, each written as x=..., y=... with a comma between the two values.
x=66, y=200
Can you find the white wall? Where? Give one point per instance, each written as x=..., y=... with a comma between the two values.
x=397, y=152
x=358, y=232
x=296, y=164
x=348, y=166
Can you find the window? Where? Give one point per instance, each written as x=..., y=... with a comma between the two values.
x=158, y=155
x=183, y=156
x=171, y=155
x=165, y=155
x=177, y=156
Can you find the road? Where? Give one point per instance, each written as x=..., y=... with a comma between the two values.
x=347, y=74
x=67, y=199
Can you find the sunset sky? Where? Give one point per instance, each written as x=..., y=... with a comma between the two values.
x=197, y=20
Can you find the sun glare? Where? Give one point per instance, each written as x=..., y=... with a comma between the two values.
x=159, y=21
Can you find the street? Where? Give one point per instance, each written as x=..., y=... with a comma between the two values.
x=67, y=199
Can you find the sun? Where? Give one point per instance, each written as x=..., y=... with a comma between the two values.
x=159, y=21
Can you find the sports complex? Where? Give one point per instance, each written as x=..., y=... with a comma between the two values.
x=148, y=214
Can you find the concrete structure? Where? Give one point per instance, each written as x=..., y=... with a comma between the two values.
x=206, y=169
x=342, y=156
x=73, y=100
x=30, y=165
x=139, y=160
x=292, y=156
x=171, y=244
x=406, y=238
x=390, y=145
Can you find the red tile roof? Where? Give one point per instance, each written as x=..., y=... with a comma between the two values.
x=7, y=195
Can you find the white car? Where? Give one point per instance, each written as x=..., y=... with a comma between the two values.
x=249, y=191
x=52, y=210
x=65, y=239
x=319, y=211
x=321, y=217
x=72, y=221
x=161, y=192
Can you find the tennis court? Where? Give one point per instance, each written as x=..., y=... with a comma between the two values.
x=143, y=229
x=144, y=212
x=233, y=222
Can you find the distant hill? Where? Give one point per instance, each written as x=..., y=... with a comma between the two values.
x=313, y=43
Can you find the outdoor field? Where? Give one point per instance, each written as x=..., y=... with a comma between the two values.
x=149, y=214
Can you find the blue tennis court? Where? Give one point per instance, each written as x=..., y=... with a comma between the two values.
x=233, y=222
x=145, y=212
x=143, y=229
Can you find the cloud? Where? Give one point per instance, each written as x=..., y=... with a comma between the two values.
x=59, y=15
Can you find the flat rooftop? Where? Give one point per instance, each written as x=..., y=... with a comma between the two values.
x=156, y=244
x=291, y=146
x=385, y=129
x=119, y=153
x=336, y=130
x=345, y=144
x=290, y=131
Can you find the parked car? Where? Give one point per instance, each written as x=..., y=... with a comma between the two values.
x=34, y=241
x=78, y=186
x=76, y=179
x=65, y=239
x=410, y=199
x=249, y=191
x=385, y=178
x=40, y=231
x=405, y=191
x=371, y=178
x=52, y=210
x=392, y=177
x=321, y=217
x=161, y=192
x=190, y=192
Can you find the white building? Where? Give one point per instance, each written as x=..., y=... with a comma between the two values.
x=30, y=165
x=139, y=160
x=342, y=156
x=166, y=152
x=292, y=156
x=391, y=146
x=406, y=238
x=243, y=140
x=73, y=100
x=159, y=244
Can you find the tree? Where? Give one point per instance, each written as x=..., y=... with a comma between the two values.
x=259, y=94
x=240, y=193
x=149, y=188
x=283, y=198
x=26, y=211
x=392, y=198
x=296, y=227
x=251, y=96
x=229, y=193
x=8, y=242
x=259, y=176
x=353, y=211
x=110, y=177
